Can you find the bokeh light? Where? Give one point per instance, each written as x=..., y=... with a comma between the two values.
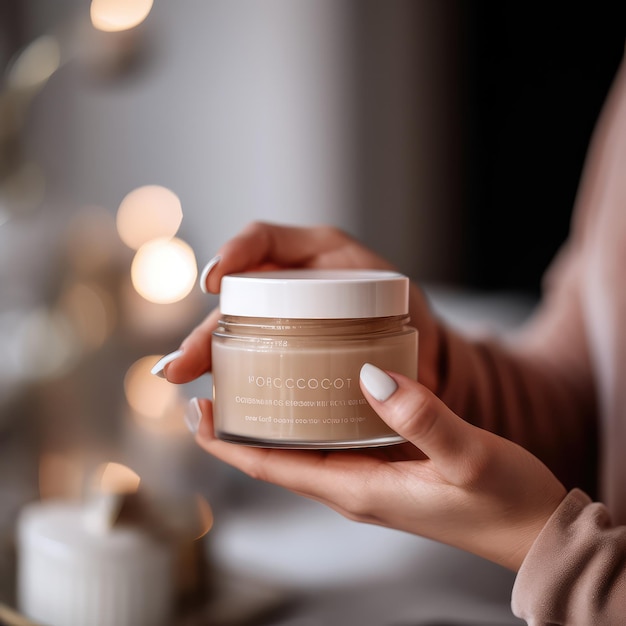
x=152, y=321
x=60, y=475
x=164, y=270
x=116, y=478
x=43, y=345
x=35, y=64
x=23, y=189
x=91, y=312
x=146, y=213
x=117, y=15
x=91, y=242
x=205, y=513
x=148, y=395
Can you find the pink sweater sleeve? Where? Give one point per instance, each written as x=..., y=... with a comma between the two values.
x=575, y=572
x=543, y=401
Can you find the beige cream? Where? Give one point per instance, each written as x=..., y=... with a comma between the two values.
x=294, y=382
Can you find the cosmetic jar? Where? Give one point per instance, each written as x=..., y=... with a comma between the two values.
x=288, y=350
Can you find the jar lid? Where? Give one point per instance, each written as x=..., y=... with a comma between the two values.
x=315, y=294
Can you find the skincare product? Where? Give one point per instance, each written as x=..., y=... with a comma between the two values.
x=288, y=350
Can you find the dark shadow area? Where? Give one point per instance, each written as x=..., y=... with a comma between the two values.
x=538, y=74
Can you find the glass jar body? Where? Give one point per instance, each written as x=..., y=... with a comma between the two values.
x=295, y=383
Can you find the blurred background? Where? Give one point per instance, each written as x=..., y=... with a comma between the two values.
x=136, y=137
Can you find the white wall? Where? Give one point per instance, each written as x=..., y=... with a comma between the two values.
x=241, y=107
x=298, y=111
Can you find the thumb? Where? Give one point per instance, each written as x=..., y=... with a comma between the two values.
x=416, y=414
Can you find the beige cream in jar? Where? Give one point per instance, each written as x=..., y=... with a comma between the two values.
x=288, y=351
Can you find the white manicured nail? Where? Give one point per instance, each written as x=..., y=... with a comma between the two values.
x=193, y=416
x=206, y=271
x=159, y=366
x=378, y=383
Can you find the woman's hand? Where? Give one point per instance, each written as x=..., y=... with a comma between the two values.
x=451, y=481
x=263, y=246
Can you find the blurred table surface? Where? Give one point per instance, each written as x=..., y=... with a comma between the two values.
x=282, y=560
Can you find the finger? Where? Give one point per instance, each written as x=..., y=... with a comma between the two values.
x=320, y=475
x=264, y=245
x=415, y=413
x=193, y=359
x=282, y=467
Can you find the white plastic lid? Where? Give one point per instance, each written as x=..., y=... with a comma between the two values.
x=315, y=294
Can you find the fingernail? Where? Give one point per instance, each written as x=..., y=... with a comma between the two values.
x=193, y=416
x=159, y=366
x=378, y=383
x=207, y=270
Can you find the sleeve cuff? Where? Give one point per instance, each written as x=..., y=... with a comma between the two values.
x=574, y=572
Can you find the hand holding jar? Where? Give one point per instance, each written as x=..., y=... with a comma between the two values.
x=449, y=480
x=262, y=247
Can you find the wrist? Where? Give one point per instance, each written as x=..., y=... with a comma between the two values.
x=524, y=535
